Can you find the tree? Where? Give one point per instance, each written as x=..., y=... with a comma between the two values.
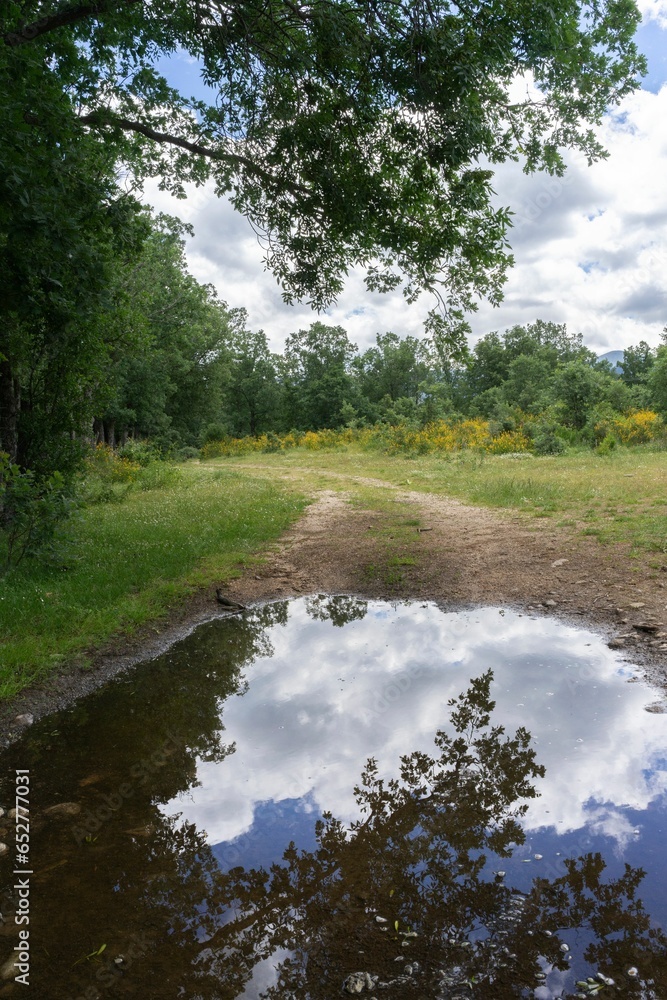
x=527, y=381
x=348, y=133
x=64, y=223
x=252, y=394
x=657, y=381
x=317, y=377
x=516, y=366
x=577, y=387
x=637, y=363
x=395, y=367
x=167, y=341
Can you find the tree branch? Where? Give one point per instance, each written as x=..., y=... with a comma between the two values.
x=98, y=118
x=44, y=25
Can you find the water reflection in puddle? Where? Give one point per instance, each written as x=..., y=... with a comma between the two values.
x=244, y=747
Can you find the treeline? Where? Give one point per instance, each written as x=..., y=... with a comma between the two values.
x=109, y=340
x=197, y=373
x=150, y=353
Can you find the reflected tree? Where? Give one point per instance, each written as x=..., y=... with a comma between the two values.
x=402, y=901
x=339, y=610
x=399, y=902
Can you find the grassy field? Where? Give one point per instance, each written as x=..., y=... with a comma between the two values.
x=131, y=561
x=621, y=497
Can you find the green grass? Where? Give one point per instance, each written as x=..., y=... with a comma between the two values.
x=149, y=547
x=132, y=561
x=395, y=536
x=623, y=495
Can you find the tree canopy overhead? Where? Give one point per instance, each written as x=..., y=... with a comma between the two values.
x=347, y=131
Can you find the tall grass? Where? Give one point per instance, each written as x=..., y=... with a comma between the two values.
x=132, y=560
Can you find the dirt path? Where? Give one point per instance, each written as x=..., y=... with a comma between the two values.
x=459, y=555
x=417, y=545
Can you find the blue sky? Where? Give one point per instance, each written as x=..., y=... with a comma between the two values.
x=590, y=251
x=652, y=41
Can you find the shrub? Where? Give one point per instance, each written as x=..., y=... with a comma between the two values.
x=214, y=432
x=546, y=440
x=272, y=443
x=31, y=511
x=186, y=453
x=607, y=445
x=549, y=444
x=109, y=465
x=139, y=452
x=94, y=490
x=157, y=475
x=639, y=427
x=509, y=442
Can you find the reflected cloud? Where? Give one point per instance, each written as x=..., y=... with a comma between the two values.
x=330, y=697
x=260, y=813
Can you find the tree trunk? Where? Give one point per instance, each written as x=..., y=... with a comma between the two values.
x=98, y=430
x=10, y=407
x=111, y=433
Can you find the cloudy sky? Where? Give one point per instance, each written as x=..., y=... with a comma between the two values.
x=590, y=248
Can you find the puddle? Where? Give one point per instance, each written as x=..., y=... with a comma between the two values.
x=227, y=838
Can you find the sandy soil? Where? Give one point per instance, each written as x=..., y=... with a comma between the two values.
x=462, y=556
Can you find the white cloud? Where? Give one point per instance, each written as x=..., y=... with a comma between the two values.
x=329, y=698
x=590, y=248
x=654, y=10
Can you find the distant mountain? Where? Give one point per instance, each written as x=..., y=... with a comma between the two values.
x=615, y=358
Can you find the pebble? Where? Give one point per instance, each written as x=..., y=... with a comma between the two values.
x=357, y=982
x=559, y=562
x=637, y=604
x=380, y=920
x=3, y=849
x=550, y=603
x=633, y=971
x=26, y=719
x=616, y=643
x=62, y=810
x=8, y=970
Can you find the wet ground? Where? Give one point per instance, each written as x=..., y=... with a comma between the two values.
x=210, y=825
